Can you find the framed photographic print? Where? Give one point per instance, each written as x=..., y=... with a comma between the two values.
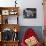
x=29, y=13
x=5, y=12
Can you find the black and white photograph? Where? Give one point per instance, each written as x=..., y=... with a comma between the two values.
x=29, y=13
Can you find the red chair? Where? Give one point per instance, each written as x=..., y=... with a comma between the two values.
x=29, y=33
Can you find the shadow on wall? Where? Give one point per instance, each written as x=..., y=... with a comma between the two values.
x=37, y=29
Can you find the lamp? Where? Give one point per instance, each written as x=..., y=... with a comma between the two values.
x=15, y=3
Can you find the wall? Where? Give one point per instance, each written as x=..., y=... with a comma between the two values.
x=31, y=4
x=27, y=4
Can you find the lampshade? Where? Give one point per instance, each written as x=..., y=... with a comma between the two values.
x=15, y=30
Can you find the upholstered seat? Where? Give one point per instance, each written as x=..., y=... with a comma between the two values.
x=30, y=35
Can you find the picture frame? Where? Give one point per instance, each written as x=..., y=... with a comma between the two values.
x=29, y=13
x=12, y=12
x=5, y=12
